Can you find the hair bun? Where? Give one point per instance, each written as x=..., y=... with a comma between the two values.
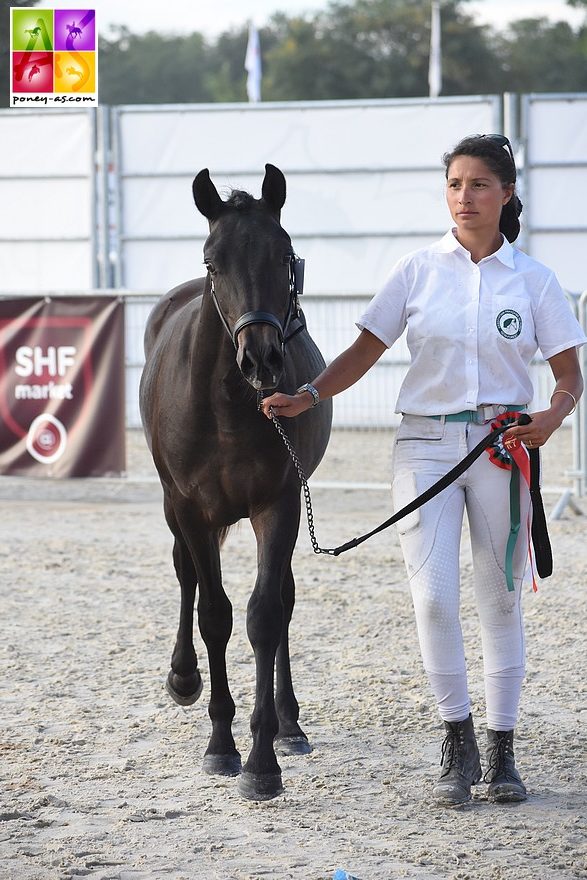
x=508, y=222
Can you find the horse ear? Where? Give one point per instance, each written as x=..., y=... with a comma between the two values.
x=273, y=189
x=206, y=197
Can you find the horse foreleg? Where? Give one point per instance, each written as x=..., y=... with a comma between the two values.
x=215, y=623
x=290, y=739
x=276, y=532
x=184, y=682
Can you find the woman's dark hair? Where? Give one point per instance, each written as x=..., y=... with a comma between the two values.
x=493, y=150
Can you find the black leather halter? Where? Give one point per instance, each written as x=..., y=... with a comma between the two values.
x=296, y=288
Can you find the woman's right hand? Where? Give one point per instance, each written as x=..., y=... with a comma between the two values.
x=288, y=405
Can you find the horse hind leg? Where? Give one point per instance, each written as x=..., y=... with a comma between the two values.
x=184, y=682
x=290, y=739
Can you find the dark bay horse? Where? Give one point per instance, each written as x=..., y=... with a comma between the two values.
x=212, y=346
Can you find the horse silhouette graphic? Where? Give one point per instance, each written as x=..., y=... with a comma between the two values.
x=73, y=71
x=34, y=69
x=73, y=30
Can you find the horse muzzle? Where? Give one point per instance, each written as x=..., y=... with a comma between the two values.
x=260, y=355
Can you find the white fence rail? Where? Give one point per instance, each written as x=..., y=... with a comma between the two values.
x=331, y=321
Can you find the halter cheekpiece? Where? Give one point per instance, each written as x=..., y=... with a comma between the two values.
x=296, y=288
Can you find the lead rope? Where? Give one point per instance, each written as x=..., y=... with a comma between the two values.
x=539, y=529
x=305, y=488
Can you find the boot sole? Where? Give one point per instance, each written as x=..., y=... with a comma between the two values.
x=507, y=797
x=441, y=802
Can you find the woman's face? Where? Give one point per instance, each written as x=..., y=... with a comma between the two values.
x=475, y=195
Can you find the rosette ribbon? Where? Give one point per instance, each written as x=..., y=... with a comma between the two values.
x=512, y=455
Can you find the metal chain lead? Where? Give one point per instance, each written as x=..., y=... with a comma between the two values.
x=303, y=480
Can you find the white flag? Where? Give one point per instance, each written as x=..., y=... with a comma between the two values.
x=253, y=65
x=435, y=66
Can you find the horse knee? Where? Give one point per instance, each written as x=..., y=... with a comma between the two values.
x=264, y=620
x=215, y=622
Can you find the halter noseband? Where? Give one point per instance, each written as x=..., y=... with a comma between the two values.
x=296, y=288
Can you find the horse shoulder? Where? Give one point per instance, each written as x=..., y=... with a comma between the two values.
x=169, y=306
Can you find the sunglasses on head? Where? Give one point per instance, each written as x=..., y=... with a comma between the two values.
x=501, y=141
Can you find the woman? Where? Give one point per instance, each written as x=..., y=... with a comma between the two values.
x=476, y=309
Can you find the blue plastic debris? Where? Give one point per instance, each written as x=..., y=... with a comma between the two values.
x=339, y=874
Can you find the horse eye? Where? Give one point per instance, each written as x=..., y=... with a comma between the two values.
x=210, y=267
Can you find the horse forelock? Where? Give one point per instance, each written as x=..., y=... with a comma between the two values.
x=241, y=200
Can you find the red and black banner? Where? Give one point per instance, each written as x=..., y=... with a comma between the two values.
x=62, y=386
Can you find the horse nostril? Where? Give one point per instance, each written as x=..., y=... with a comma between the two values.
x=274, y=363
x=261, y=367
x=247, y=364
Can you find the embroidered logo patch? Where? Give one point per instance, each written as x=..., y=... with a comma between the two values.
x=509, y=324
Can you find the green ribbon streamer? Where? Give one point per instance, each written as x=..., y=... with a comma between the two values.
x=514, y=525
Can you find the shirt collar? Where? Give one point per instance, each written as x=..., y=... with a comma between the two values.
x=449, y=244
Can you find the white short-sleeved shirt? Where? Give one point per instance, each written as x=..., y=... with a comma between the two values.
x=473, y=328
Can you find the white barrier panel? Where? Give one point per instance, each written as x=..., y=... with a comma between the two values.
x=47, y=193
x=555, y=183
x=365, y=181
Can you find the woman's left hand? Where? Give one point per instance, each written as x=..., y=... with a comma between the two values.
x=567, y=372
x=536, y=432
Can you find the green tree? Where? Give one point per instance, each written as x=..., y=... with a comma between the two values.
x=5, y=46
x=377, y=49
x=153, y=69
x=352, y=49
x=540, y=56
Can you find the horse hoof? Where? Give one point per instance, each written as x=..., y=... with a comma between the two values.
x=260, y=787
x=222, y=765
x=184, y=690
x=292, y=745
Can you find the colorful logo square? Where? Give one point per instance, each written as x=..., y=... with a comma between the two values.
x=32, y=30
x=54, y=58
x=75, y=30
x=75, y=72
x=32, y=72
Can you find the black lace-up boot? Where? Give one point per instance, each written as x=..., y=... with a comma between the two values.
x=505, y=783
x=460, y=762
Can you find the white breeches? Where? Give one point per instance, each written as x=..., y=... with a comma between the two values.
x=425, y=449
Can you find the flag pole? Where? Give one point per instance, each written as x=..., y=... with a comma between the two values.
x=435, y=62
x=253, y=65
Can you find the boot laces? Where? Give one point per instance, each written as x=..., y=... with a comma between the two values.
x=450, y=751
x=498, y=765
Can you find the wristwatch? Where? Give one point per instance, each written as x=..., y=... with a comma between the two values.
x=313, y=391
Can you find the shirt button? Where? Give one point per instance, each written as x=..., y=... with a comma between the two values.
x=469, y=361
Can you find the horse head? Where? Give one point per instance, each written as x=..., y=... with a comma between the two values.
x=249, y=258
